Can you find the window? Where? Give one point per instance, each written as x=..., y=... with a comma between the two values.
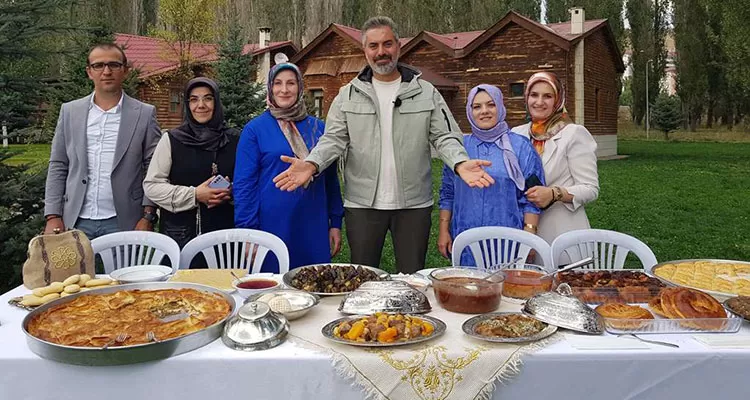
x=317, y=95
x=174, y=101
x=516, y=89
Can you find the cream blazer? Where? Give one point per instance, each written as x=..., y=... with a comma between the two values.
x=569, y=161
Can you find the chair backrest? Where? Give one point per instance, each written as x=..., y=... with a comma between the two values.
x=128, y=248
x=493, y=245
x=233, y=248
x=608, y=248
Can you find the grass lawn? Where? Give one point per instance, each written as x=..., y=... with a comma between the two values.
x=683, y=199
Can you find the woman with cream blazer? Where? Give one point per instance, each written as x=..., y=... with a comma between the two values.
x=568, y=153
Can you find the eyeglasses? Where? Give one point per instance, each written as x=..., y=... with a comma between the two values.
x=113, y=66
x=205, y=99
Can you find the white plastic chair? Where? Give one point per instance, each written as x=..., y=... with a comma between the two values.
x=233, y=247
x=493, y=245
x=129, y=248
x=608, y=248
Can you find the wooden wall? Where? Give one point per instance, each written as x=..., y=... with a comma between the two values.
x=602, y=86
x=511, y=56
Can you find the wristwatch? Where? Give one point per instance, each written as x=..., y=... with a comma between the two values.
x=150, y=217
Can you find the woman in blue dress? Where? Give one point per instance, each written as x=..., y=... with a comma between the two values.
x=307, y=220
x=514, y=162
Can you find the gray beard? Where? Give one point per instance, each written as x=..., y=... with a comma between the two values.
x=384, y=69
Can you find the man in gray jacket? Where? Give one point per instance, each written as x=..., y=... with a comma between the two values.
x=383, y=123
x=100, y=153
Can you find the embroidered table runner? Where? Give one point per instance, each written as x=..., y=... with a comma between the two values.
x=452, y=366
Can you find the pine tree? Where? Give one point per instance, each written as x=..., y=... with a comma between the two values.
x=242, y=97
x=25, y=54
x=666, y=114
x=21, y=205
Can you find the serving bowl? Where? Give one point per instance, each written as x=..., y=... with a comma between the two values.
x=465, y=290
x=291, y=303
x=255, y=283
x=141, y=274
x=525, y=280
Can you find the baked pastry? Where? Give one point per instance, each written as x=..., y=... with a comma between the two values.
x=614, y=312
x=95, y=320
x=740, y=305
x=609, y=286
x=655, y=306
x=685, y=303
x=726, y=277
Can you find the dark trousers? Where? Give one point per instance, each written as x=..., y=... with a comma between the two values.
x=410, y=231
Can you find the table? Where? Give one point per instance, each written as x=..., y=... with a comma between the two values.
x=558, y=371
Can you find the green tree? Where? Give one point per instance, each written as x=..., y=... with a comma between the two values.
x=736, y=47
x=690, y=42
x=21, y=205
x=25, y=55
x=648, y=27
x=242, y=97
x=182, y=24
x=666, y=114
x=557, y=11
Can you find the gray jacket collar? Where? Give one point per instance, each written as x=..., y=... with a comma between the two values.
x=409, y=81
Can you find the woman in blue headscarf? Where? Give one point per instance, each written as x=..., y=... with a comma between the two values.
x=514, y=162
x=308, y=221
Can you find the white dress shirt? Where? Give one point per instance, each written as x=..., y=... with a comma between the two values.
x=102, y=128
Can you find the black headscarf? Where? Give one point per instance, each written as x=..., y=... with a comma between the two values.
x=210, y=136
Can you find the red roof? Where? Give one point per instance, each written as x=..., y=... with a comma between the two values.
x=356, y=34
x=563, y=28
x=153, y=56
x=456, y=40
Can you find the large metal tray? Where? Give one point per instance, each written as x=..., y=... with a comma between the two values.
x=126, y=354
x=721, y=296
x=327, y=331
x=287, y=278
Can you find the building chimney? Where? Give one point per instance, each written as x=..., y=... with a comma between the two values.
x=577, y=16
x=264, y=58
x=264, y=37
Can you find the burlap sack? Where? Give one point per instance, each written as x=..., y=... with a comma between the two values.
x=52, y=258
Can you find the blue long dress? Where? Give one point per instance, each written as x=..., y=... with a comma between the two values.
x=300, y=218
x=501, y=204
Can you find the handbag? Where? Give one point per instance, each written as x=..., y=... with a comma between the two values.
x=55, y=257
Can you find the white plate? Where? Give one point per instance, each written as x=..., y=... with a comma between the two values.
x=141, y=273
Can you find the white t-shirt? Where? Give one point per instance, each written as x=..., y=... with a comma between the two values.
x=386, y=195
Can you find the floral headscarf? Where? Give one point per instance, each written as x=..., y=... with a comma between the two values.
x=545, y=129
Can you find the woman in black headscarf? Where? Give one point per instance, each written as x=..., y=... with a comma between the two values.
x=188, y=161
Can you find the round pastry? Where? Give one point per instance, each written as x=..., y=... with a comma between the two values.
x=625, y=312
x=655, y=305
x=684, y=303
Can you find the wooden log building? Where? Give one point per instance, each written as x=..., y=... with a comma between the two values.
x=584, y=54
x=155, y=61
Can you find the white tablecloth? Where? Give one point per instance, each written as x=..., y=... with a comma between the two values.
x=694, y=371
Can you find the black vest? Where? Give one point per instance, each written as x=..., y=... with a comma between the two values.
x=191, y=166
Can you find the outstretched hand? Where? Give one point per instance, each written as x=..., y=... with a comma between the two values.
x=473, y=174
x=298, y=174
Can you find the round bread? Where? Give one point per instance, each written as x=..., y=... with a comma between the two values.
x=625, y=312
x=655, y=305
x=684, y=303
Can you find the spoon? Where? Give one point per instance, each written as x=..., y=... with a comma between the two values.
x=235, y=276
x=502, y=267
x=650, y=341
x=585, y=261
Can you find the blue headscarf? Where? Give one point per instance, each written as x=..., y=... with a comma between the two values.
x=498, y=134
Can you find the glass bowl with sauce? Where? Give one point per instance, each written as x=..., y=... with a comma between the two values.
x=252, y=284
x=525, y=280
x=464, y=290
